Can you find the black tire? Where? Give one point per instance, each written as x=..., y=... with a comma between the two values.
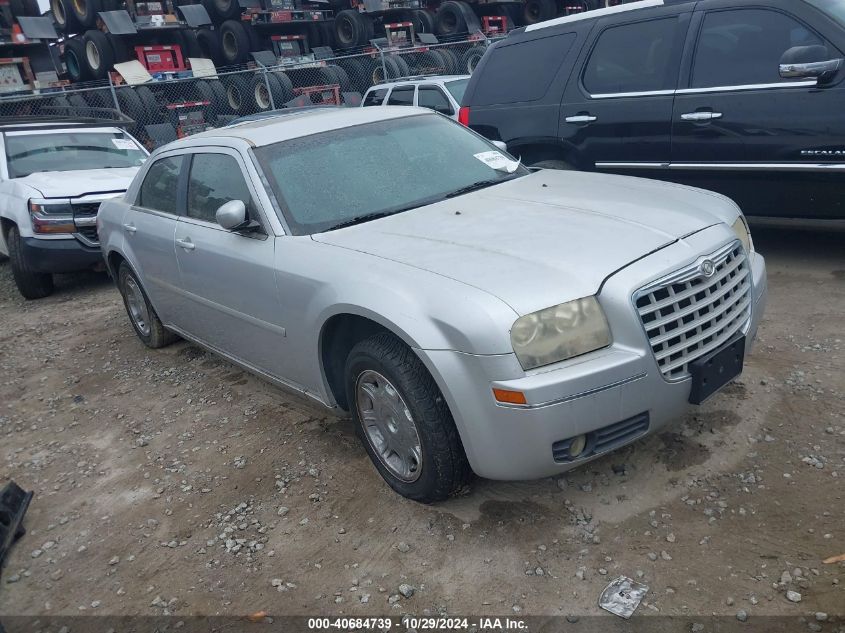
x=209, y=44
x=63, y=16
x=454, y=18
x=235, y=43
x=470, y=59
x=450, y=61
x=341, y=77
x=314, y=35
x=25, y=8
x=189, y=44
x=327, y=33
x=99, y=55
x=423, y=20
x=443, y=469
x=31, y=284
x=152, y=109
x=351, y=29
x=132, y=106
x=219, y=92
x=390, y=66
x=238, y=94
x=58, y=106
x=404, y=69
x=158, y=335
x=80, y=105
x=74, y=58
x=99, y=98
x=120, y=50
x=85, y=12
x=560, y=165
x=534, y=11
x=219, y=10
x=428, y=63
x=282, y=92
x=216, y=99
x=357, y=70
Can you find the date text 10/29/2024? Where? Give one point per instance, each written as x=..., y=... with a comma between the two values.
x=415, y=623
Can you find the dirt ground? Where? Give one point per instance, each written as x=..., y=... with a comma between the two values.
x=171, y=482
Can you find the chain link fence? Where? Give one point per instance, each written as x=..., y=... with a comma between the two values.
x=163, y=111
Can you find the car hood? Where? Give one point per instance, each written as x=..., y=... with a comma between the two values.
x=70, y=184
x=538, y=240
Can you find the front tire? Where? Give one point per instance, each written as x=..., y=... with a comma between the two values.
x=403, y=420
x=31, y=284
x=143, y=317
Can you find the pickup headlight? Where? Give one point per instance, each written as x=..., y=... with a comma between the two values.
x=560, y=332
x=740, y=227
x=51, y=216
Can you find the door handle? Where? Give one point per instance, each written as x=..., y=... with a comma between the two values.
x=130, y=228
x=701, y=116
x=186, y=243
x=581, y=118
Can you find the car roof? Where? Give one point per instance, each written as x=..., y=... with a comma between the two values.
x=419, y=79
x=596, y=13
x=301, y=123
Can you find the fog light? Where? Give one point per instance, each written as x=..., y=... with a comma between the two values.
x=577, y=446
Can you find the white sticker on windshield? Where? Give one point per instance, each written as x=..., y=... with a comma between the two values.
x=498, y=161
x=123, y=143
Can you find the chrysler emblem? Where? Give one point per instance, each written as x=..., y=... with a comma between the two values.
x=707, y=268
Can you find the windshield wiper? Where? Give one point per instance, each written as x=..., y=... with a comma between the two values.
x=481, y=184
x=359, y=219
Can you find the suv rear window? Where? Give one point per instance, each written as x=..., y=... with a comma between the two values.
x=633, y=58
x=375, y=97
x=521, y=71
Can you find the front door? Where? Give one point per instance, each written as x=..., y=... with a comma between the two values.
x=148, y=228
x=741, y=129
x=616, y=113
x=228, y=277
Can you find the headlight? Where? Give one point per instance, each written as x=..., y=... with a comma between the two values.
x=560, y=332
x=50, y=216
x=740, y=227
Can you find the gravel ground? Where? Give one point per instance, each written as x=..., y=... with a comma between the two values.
x=171, y=482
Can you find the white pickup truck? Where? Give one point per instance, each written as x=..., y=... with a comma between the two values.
x=54, y=173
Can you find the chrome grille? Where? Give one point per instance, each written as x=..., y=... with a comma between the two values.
x=689, y=314
x=85, y=218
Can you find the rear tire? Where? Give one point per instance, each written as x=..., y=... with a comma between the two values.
x=470, y=59
x=351, y=29
x=422, y=429
x=99, y=54
x=142, y=316
x=238, y=94
x=235, y=43
x=74, y=58
x=85, y=12
x=209, y=44
x=31, y=284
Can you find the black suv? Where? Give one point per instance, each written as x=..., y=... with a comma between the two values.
x=744, y=97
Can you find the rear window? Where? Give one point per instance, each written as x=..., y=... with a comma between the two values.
x=522, y=71
x=402, y=96
x=457, y=88
x=375, y=97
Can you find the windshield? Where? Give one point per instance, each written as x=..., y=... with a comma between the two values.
x=834, y=8
x=358, y=173
x=27, y=153
x=457, y=88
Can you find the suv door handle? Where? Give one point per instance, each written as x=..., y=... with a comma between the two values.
x=186, y=243
x=130, y=228
x=701, y=116
x=581, y=118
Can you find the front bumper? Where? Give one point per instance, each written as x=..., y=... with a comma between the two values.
x=59, y=256
x=620, y=385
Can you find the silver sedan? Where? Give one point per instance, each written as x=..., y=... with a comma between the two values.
x=470, y=314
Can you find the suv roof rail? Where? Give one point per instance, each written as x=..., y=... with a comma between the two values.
x=63, y=117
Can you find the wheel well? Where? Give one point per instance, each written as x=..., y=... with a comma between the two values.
x=536, y=152
x=114, y=260
x=340, y=334
x=5, y=226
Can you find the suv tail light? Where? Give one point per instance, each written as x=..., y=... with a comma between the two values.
x=463, y=115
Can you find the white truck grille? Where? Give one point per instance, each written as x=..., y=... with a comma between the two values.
x=690, y=314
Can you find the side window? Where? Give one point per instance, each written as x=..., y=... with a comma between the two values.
x=512, y=73
x=215, y=179
x=158, y=191
x=633, y=58
x=433, y=98
x=375, y=97
x=402, y=96
x=744, y=46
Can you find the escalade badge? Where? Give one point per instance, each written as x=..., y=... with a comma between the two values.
x=707, y=268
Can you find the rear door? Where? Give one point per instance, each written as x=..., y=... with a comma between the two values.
x=617, y=109
x=741, y=129
x=228, y=277
x=149, y=227
x=402, y=95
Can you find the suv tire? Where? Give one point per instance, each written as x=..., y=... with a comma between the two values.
x=435, y=464
x=142, y=316
x=31, y=284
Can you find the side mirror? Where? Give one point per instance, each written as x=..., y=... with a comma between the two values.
x=231, y=215
x=501, y=145
x=811, y=62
